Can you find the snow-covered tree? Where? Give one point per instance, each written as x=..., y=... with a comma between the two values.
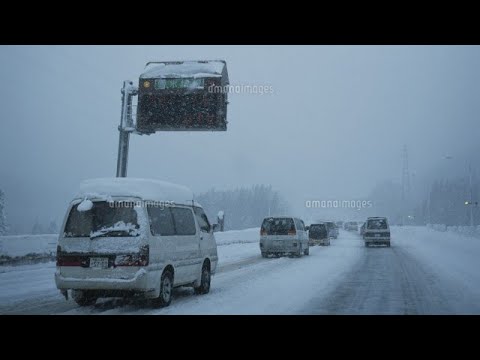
x=52, y=227
x=246, y=207
x=447, y=202
x=3, y=216
x=37, y=228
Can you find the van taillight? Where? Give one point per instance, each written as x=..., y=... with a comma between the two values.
x=263, y=232
x=292, y=232
x=138, y=259
x=68, y=260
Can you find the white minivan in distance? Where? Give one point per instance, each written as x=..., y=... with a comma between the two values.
x=283, y=235
x=134, y=237
x=376, y=231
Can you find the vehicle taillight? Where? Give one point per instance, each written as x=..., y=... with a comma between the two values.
x=138, y=259
x=68, y=260
x=263, y=232
x=292, y=232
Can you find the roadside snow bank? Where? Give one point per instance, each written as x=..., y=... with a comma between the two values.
x=46, y=244
x=464, y=230
x=22, y=245
x=451, y=254
x=238, y=236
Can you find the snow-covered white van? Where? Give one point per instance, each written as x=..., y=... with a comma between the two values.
x=377, y=231
x=125, y=236
x=283, y=235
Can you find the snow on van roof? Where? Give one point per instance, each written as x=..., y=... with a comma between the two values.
x=184, y=69
x=146, y=189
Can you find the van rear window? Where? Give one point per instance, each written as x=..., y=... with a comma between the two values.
x=377, y=224
x=278, y=226
x=317, y=232
x=101, y=220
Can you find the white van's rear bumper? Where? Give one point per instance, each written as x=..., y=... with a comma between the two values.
x=377, y=240
x=280, y=246
x=138, y=281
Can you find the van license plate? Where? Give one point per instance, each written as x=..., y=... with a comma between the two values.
x=99, y=262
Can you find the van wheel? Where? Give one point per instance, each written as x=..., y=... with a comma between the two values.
x=83, y=298
x=204, y=287
x=306, y=251
x=166, y=289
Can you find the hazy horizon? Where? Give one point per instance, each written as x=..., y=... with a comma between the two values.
x=334, y=127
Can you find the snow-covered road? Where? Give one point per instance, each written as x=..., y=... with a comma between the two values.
x=387, y=281
x=424, y=272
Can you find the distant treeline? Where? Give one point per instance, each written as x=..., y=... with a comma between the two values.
x=446, y=203
x=244, y=207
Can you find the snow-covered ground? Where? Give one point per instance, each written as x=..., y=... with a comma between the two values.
x=452, y=256
x=424, y=272
x=266, y=286
x=23, y=289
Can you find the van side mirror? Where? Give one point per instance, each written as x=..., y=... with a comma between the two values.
x=215, y=227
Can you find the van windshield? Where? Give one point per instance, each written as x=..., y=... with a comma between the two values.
x=377, y=224
x=102, y=219
x=278, y=226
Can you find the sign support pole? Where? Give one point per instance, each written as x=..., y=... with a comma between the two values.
x=126, y=127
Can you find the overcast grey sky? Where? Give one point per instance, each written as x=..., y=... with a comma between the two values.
x=334, y=126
